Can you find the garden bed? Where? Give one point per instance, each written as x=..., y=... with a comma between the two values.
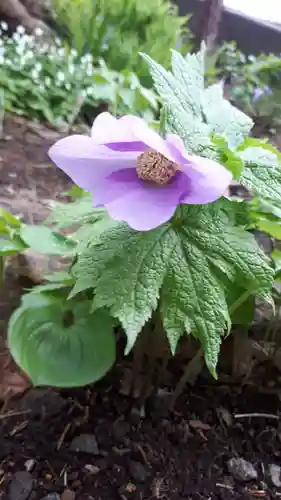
x=145, y=454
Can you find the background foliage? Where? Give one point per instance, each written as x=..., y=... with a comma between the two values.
x=117, y=30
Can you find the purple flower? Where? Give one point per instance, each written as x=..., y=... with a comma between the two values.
x=259, y=92
x=137, y=175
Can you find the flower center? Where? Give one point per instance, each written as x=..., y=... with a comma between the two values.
x=155, y=167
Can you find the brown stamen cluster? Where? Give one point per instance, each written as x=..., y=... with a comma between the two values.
x=155, y=167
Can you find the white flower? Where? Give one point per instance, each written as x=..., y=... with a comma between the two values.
x=21, y=30
x=71, y=69
x=61, y=52
x=28, y=54
x=20, y=49
x=43, y=48
x=38, y=67
x=89, y=91
x=4, y=26
x=60, y=76
x=48, y=81
x=16, y=37
x=73, y=53
x=90, y=71
x=34, y=74
x=38, y=32
x=2, y=60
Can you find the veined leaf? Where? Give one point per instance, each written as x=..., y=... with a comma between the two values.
x=178, y=267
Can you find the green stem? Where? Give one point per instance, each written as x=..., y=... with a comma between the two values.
x=245, y=295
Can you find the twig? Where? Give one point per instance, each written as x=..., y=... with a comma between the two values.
x=13, y=414
x=256, y=415
x=227, y=486
x=62, y=436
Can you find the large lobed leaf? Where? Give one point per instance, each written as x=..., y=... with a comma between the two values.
x=183, y=268
x=197, y=114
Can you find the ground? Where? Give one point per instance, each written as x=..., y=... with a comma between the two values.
x=195, y=451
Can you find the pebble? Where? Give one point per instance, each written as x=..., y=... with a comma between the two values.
x=241, y=469
x=137, y=471
x=21, y=486
x=85, y=443
x=275, y=474
x=51, y=496
x=120, y=430
x=29, y=464
x=92, y=469
x=42, y=402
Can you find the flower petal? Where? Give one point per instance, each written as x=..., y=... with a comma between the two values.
x=209, y=180
x=146, y=135
x=106, y=128
x=85, y=162
x=142, y=205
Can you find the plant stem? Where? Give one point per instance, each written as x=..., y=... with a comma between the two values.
x=190, y=375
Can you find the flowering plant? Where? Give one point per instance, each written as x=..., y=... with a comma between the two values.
x=161, y=247
x=46, y=80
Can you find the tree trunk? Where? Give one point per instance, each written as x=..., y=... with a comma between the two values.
x=15, y=12
x=208, y=23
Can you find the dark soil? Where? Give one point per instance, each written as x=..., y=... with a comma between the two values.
x=28, y=180
x=178, y=455
x=134, y=455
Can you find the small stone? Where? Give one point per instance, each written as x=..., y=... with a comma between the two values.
x=92, y=469
x=21, y=486
x=51, y=496
x=241, y=470
x=275, y=474
x=85, y=443
x=68, y=495
x=29, y=464
x=120, y=430
x=137, y=471
x=42, y=402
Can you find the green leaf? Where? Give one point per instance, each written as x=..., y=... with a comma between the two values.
x=189, y=72
x=142, y=259
x=228, y=158
x=225, y=120
x=262, y=172
x=260, y=157
x=182, y=89
x=80, y=211
x=263, y=181
x=9, y=218
x=193, y=112
x=44, y=240
x=243, y=305
x=60, y=355
x=187, y=262
x=11, y=246
x=181, y=95
x=253, y=142
x=269, y=227
x=209, y=250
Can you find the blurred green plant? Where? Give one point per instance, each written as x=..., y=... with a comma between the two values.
x=251, y=83
x=51, y=82
x=118, y=30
